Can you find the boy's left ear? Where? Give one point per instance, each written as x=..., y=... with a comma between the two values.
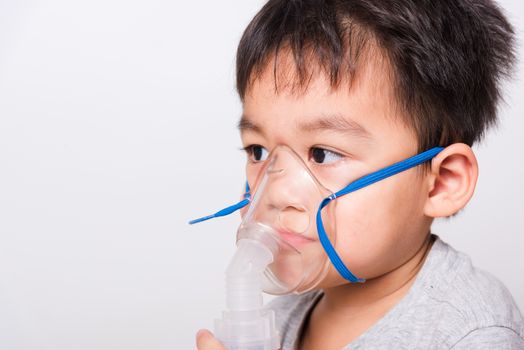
x=452, y=180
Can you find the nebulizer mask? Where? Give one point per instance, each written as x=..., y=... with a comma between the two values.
x=285, y=242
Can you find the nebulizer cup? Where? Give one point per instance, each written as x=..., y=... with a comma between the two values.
x=278, y=250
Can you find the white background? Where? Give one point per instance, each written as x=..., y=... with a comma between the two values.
x=117, y=125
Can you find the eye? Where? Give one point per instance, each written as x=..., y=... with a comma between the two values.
x=256, y=153
x=324, y=156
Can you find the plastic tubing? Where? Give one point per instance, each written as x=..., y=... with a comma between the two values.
x=245, y=324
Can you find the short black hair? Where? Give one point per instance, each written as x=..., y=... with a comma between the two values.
x=447, y=56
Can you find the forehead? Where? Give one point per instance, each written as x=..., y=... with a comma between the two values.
x=293, y=71
x=277, y=97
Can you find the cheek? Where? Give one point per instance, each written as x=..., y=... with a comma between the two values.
x=377, y=228
x=243, y=212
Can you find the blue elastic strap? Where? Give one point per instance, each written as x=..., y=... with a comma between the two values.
x=228, y=210
x=356, y=185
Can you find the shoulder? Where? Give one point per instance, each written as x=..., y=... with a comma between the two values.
x=494, y=337
x=468, y=304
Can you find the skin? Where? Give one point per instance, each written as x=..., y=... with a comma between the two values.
x=383, y=229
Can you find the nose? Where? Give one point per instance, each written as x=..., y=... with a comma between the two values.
x=291, y=192
x=294, y=219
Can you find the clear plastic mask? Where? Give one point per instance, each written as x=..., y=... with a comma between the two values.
x=283, y=213
x=293, y=215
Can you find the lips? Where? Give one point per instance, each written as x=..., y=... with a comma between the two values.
x=293, y=238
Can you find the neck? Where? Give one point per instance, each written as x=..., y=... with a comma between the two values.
x=380, y=293
x=347, y=311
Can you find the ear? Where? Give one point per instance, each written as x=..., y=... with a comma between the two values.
x=452, y=180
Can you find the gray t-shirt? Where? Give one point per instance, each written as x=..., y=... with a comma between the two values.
x=451, y=305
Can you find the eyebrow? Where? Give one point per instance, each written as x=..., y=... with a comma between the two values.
x=335, y=122
x=338, y=123
x=244, y=124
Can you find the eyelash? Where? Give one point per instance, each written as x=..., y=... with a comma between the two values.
x=250, y=152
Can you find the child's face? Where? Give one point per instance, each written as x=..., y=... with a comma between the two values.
x=342, y=135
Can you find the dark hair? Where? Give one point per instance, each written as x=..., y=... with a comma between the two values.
x=447, y=57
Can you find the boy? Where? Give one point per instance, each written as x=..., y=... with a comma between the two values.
x=352, y=86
